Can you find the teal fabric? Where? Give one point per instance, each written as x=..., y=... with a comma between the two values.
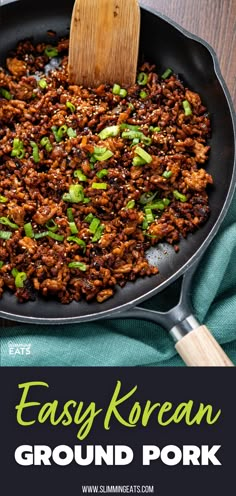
x=134, y=342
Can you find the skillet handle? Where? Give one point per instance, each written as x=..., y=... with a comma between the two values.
x=199, y=348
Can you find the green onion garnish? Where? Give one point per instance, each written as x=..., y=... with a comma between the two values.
x=62, y=130
x=144, y=224
x=130, y=204
x=57, y=237
x=35, y=151
x=20, y=278
x=149, y=215
x=143, y=94
x=123, y=92
x=109, y=132
x=153, y=129
x=1, y=264
x=56, y=135
x=99, y=185
x=70, y=106
x=167, y=73
x=167, y=174
x=42, y=84
x=142, y=79
x=3, y=199
x=75, y=195
x=5, y=234
x=77, y=240
x=179, y=196
x=135, y=141
x=146, y=140
x=94, y=225
x=51, y=51
x=41, y=235
x=78, y=173
x=71, y=132
x=143, y=155
x=78, y=265
x=70, y=214
x=99, y=150
x=124, y=125
x=45, y=142
x=187, y=107
x=98, y=234
x=132, y=134
x=105, y=156
x=29, y=230
x=6, y=222
x=89, y=218
x=158, y=205
x=51, y=225
x=147, y=197
x=5, y=93
x=73, y=227
x=18, y=149
x=102, y=173
x=116, y=89
x=138, y=161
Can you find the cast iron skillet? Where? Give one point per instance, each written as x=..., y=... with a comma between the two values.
x=167, y=45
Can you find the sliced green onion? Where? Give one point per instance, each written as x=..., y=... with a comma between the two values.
x=102, y=173
x=144, y=224
x=98, y=234
x=187, y=107
x=130, y=204
x=99, y=185
x=142, y=79
x=1, y=264
x=3, y=199
x=78, y=265
x=78, y=173
x=56, y=135
x=51, y=51
x=70, y=106
x=41, y=235
x=116, y=89
x=18, y=149
x=75, y=195
x=51, y=225
x=20, y=279
x=123, y=93
x=62, y=130
x=45, y=142
x=167, y=73
x=143, y=154
x=5, y=93
x=89, y=218
x=154, y=129
x=135, y=141
x=35, y=151
x=167, y=174
x=109, y=132
x=131, y=106
x=42, y=83
x=94, y=225
x=6, y=222
x=57, y=237
x=166, y=201
x=73, y=228
x=132, y=134
x=146, y=140
x=158, y=205
x=105, y=156
x=77, y=240
x=147, y=197
x=71, y=132
x=86, y=200
x=99, y=150
x=14, y=272
x=29, y=230
x=138, y=161
x=143, y=94
x=149, y=215
x=5, y=234
x=179, y=196
x=70, y=214
x=124, y=125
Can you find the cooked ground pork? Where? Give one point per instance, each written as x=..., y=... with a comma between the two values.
x=91, y=178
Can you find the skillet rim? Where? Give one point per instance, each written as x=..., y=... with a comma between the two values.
x=103, y=314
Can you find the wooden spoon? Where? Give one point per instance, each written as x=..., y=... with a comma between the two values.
x=104, y=42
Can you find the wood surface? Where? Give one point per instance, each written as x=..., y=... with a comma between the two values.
x=212, y=20
x=199, y=348
x=100, y=35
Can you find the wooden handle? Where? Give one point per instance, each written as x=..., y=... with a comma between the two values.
x=199, y=348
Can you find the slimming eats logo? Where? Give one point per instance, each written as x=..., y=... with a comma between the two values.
x=16, y=349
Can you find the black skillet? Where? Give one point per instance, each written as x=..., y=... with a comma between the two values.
x=167, y=45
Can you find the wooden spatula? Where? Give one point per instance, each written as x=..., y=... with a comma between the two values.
x=104, y=42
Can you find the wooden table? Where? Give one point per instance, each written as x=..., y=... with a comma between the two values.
x=212, y=20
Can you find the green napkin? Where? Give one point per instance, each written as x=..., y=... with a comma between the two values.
x=134, y=342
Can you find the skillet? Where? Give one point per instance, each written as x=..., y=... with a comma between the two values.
x=167, y=45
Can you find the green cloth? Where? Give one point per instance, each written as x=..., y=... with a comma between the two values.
x=134, y=342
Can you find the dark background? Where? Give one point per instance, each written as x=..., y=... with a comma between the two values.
x=97, y=384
